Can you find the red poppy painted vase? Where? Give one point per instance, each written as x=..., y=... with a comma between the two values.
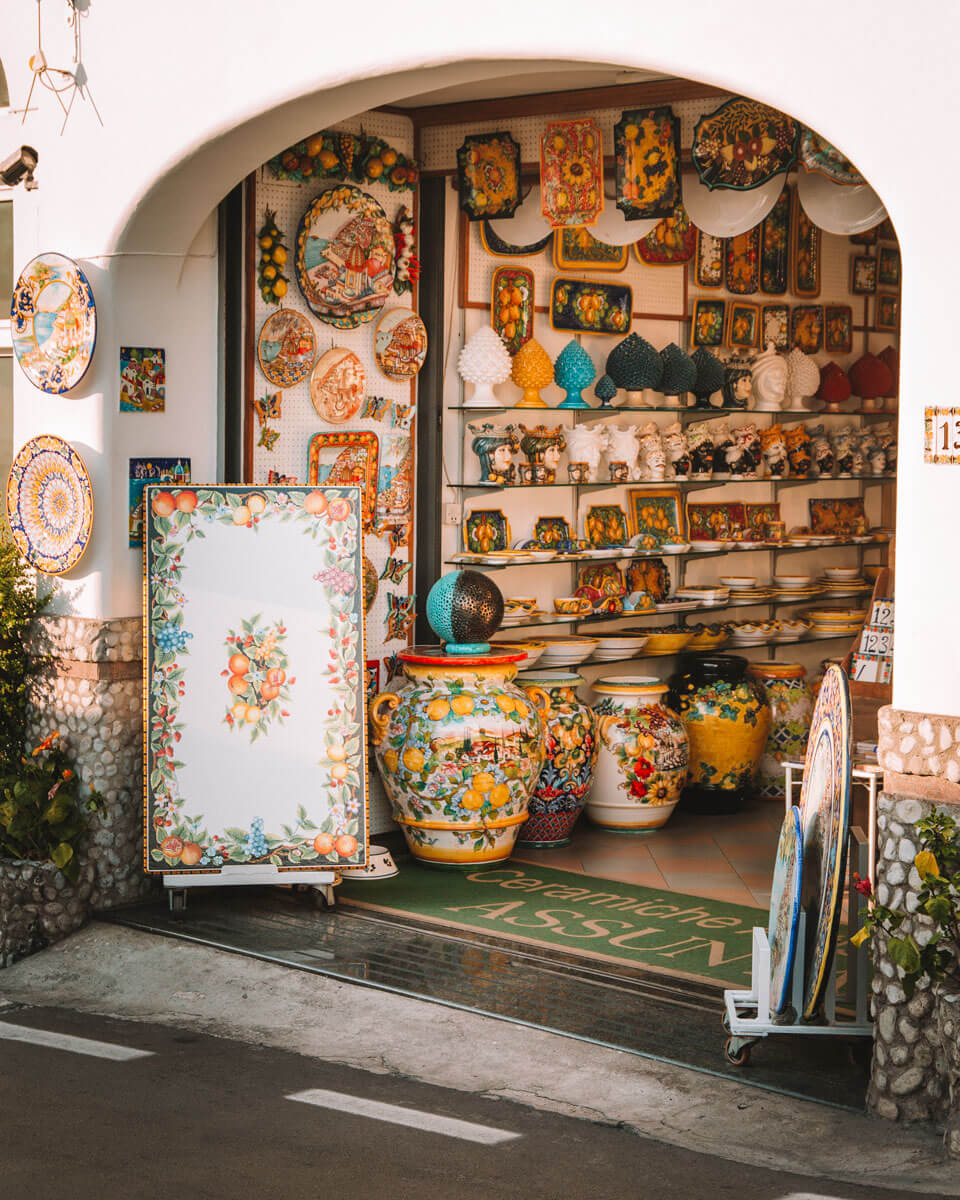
x=642, y=763
x=571, y=759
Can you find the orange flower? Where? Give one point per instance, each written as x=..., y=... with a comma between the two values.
x=68, y=774
x=46, y=743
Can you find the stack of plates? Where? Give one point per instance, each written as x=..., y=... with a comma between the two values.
x=744, y=589
x=615, y=646
x=789, y=630
x=845, y=587
x=751, y=633
x=795, y=587
x=835, y=619
x=522, y=618
x=704, y=593
x=674, y=548
x=566, y=651
x=532, y=649
x=709, y=547
x=675, y=604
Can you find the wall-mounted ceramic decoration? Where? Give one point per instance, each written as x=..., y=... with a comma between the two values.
x=806, y=327
x=407, y=265
x=606, y=525
x=395, y=570
x=362, y=157
x=836, y=515
x=499, y=247
x=268, y=437
x=286, y=348
x=376, y=408
x=647, y=148
x=255, y=659
x=552, y=533
x=672, y=242
x=400, y=344
x=888, y=312
x=819, y=155
x=401, y=613
x=576, y=249
x=886, y=231
x=273, y=257
x=53, y=321
x=863, y=274
x=712, y=522
x=837, y=328
x=278, y=478
x=268, y=407
x=590, y=306
x=888, y=266
x=153, y=470
x=805, y=254
x=511, y=306
x=395, y=487
x=775, y=325
x=347, y=458
x=372, y=679
x=607, y=578
x=338, y=384
x=775, y=246
x=742, y=144
x=345, y=257
x=709, y=317
x=50, y=504
x=784, y=919
x=656, y=516
x=743, y=325
x=742, y=271
x=825, y=799
x=143, y=379
x=711, y=255
x=867, y=237
x=486, y=530
x=760, y=515
x=571, y=172
x=488, y=175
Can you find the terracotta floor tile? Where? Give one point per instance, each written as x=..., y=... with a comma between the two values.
x=696, y=850
x=690, y=866
x=649, y=877
x=747, y=837
x=711, y=889
x=757, y=881
x=752, y=864
x=563, y=858
x=761, y=898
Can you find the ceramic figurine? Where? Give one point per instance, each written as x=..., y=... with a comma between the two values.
x=484, y=361
x=842, y=440
x=888, y=443
x=635, y=366
x=709, y=377
x=737, y=383
x=700, y=446
x=803, y=377
x=798, y=450
x=744, y=455
x=605, y=390
x=675, y=449
x=878, y=460
x=822, y=452
x=495, y=447
x=791, y=706
x=769, y=380
x=857, y=464
x=679, y=375
x=653, y=461
x=834, y=388
x=623, y=445
x=722, y=442
x=573, y=371
x=773, y=447
x=531, y=370
x=542, y=447
x=585, y=444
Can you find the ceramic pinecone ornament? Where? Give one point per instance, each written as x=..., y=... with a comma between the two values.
x=709, y=375
x=573, y=371
x=484, y=361
x=635, y=366
x=605, y=390
x=679, y=371
x=803, y=377
x=532, y=370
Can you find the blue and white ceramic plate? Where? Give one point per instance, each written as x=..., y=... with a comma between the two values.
x=785, y=909
x=53, y=320
x=50, y=504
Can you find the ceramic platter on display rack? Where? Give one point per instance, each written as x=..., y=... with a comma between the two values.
x=53, y=322
x=825, y=822
x=566, y=651
x=727, y=212
x=528, y=226
x=286, y=348
x=784, y=917
x=840, y=208
x=400, y=344
x=338, y=385
x=50, y=504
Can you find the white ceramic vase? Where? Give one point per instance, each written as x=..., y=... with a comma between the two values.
x=586, y=444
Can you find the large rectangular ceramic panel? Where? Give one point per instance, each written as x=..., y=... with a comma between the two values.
x=255, y=748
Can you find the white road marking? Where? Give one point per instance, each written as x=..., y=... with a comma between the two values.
x=63, y=1041
x=395, y=1114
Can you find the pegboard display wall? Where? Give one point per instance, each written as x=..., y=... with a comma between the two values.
x=298, y=420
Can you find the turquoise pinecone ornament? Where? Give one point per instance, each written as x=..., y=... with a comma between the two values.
x=464, y=609
x=573, y=371
x=605, y=390
x=709, y=378
x=679, y=371
x=634, y=365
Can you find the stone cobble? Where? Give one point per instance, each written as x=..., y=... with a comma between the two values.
x=38, y=906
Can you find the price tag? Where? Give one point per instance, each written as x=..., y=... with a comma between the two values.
x=941, y=435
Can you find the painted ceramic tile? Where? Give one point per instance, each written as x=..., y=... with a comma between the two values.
x=806, y=327
x=512, y=305
x=575, y=248
x=888, y=312
x=673, y=241
x=571, y=172
x=286, y=348
x=647, y=148
x=714, y=522
x=347, y=458
x=649, y=575
x=888, y=266
x=552, y=532
x=775, y=246
x=743, y=329
x=775, y=326
x=821, y=156
x=150, y=470
x=836, y=515
x=656, y=515
x=488, y=175
x=742, y=144
x=53, y=323
x=742, y=272
x=143, y=377
x=345, y=257
x=708, y=321
x=837, y=328
x=486, y=529
x=590, y=306
x=288, y=653
x=605, y=525
x=759, y=517
x=395, y=490
x=401, y=614
x=863, y=274
x=806, y=254
x=494, y=244
x=268, y=408
x=400, y=344
x=49, y=504
x=711, y=255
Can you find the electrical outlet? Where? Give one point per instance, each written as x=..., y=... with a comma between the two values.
x=452, y=514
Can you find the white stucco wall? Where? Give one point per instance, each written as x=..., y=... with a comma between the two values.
x=195, y=93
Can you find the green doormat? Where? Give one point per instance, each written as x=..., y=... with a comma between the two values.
x=598, y=918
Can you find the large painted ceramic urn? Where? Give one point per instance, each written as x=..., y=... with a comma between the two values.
x=791, y=707
x=642, y=762
x=460, y=748
x=571, y=757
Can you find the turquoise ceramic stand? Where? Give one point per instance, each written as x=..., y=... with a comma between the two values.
x=573, y=371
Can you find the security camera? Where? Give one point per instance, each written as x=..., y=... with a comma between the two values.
x=20, y=166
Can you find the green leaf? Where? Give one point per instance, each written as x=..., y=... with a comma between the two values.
x=938, y=907
x=62, y=854
x=156, y=856
x=905, y=953
x=276, y=860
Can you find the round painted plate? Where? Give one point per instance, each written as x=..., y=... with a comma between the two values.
x=785, y=909
x=287, y=347
x=825, y=823
x=338, y=385
x=50, y=504
x=345, y=256
x=400, y=343
x=53, y=320
x=742, y=144
x=817, y=154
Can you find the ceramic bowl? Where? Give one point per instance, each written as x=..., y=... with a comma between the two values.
x=841, y=572
x=566, y=651
x=617, y=646
x=708, y=547
x=708, y=639
x=573, y=606
x=666, y=643
x=793, y=581
x=738, y=582
x=532, y=650
x=872, y=570
x=524, y=604
x=675, y=547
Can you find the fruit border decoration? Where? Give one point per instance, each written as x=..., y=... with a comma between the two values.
x=175, y=839
x=329, y=155
x=273, y=257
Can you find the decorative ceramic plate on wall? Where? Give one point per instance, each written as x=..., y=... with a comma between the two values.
x=400, y=343
x=338, y=385
x=286, y=348
x=817, y=154
x=488, y=175
x=50, y=504
x=743, y=143
x=499, y=247
x=53, y=320
x=785, y=909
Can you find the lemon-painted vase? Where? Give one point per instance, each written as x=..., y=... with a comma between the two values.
x=791, y=706
x=460, y=748
x=642, y=763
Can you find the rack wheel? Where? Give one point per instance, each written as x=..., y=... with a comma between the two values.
x=737, y=1052
x=324, y=896
x=725, y=1021
x=177, y=899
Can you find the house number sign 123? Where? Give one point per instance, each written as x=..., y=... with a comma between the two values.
x=941, y=435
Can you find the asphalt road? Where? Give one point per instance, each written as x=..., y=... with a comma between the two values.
x=103, y=1109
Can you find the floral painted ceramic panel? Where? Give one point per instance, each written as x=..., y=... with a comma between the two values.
x=512, y=305
x=888, y=266
x=571, y=172
x=775, y=245
x=759, y=516
x=400, y=344
x=575, y=248
x=552, y=533
x=888, y=312
x=605, y=525
x=715, y=522
x=743, y=329
x=150, y=470
x=499, y=248
x=345, y=257
x=835, y=515
x=656, y=516
x=775, y=326
x=488, y=175
x=821, y=156
x=53, y=322
x=590, y=306
x=837, y=328
x=647, y=148
x=672, y=242
x=143, y=378
x=50, y=504
x=347, y=458
x=486, y=529
x=279, y=678
x=784, y=917
x=863, y=274
x=805, y=252
x=287, y=347
x=742, y=271
x=806, y=327
x=709, y=318
x=742, y=144
x=711, y=255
